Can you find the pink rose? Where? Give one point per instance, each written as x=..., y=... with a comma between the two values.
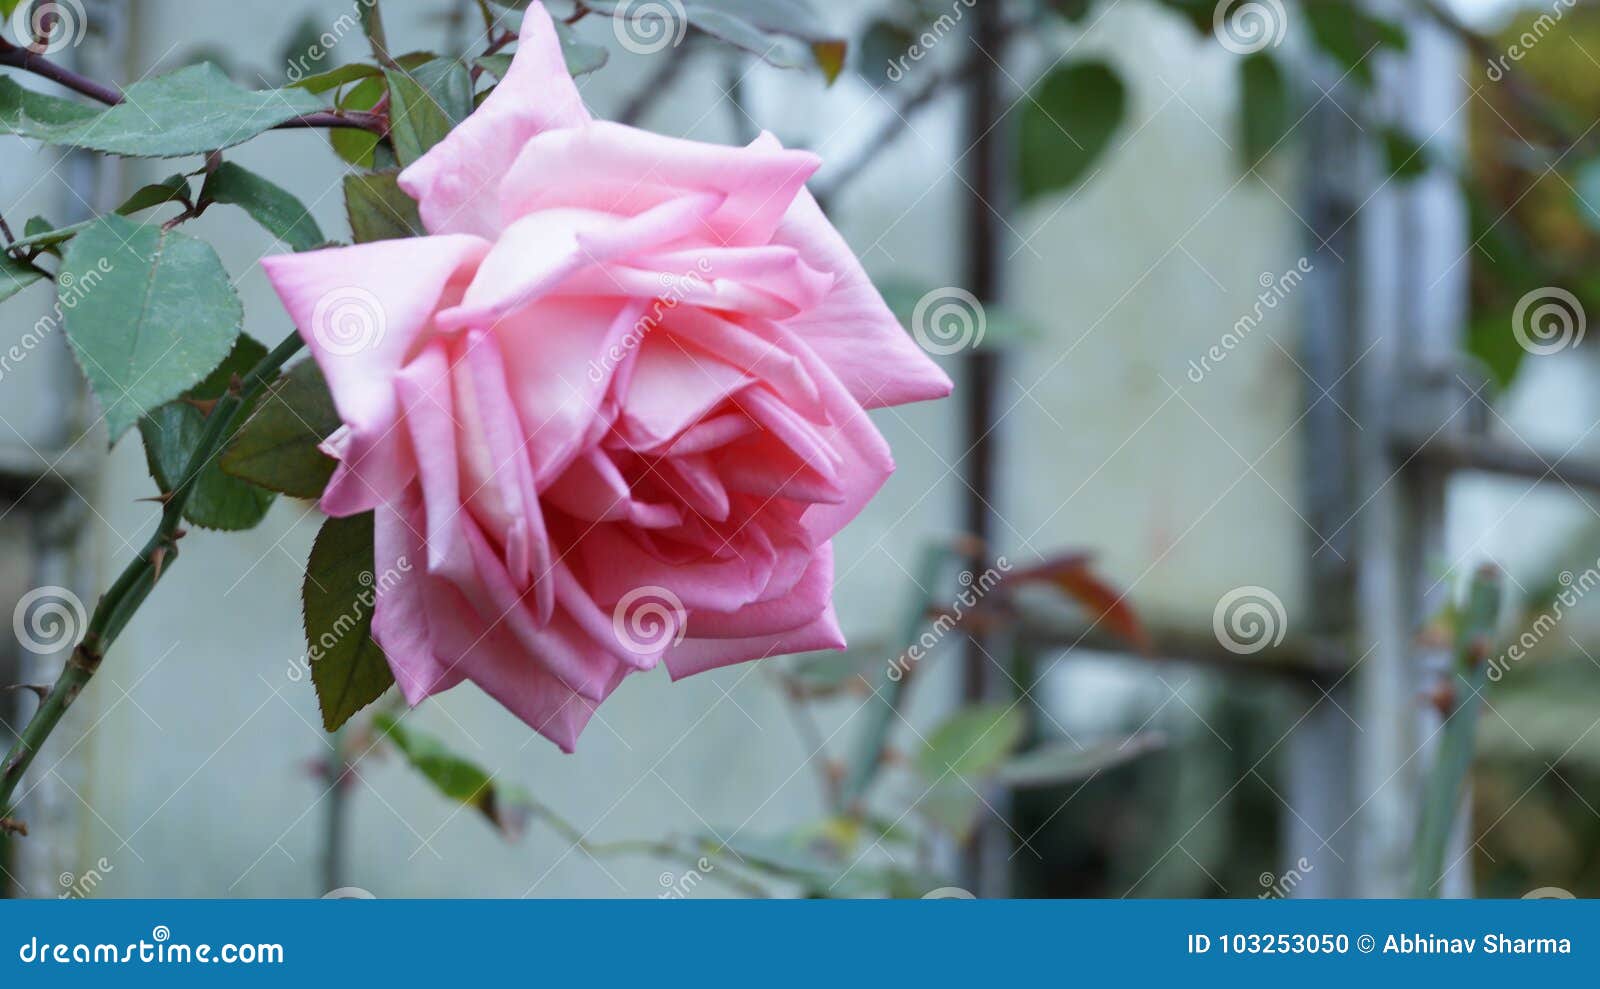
x=614, y=401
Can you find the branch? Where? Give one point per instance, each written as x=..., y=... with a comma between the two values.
x=1459, y=699
x=117, y=606
x=31, y=61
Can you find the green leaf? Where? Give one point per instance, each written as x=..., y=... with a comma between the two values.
x=276, y=448
x=15, y=276
x=425, y=104
x=581, y=56
x=378, y=209
x=335, y=77
x=458, y=778
x=973, y=743
x=190, y=111
x=1067, y=762
x=1265, y=115
x=274, y=208
x=1352, y=36
x=353, y=144
x=151, y=312
x=1404, y=157
x=172, y=189
x=883, y=46
x=1067, y=125
x=784, y=33
x=1490, y=339
x=39, y=233
x=171, y=434
x=347, y=667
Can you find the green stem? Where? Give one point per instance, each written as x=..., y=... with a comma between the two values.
x=119, y=603
x=1464, y=697
x=886, y=698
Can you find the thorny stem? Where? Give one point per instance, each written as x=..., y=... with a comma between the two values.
x=117, y=606
x=1460, y=700
x=656, y=849
x=31, y=61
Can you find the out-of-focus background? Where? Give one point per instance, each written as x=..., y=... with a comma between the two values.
x=1231, y=384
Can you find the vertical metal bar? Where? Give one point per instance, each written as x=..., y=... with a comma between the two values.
x=988, y=179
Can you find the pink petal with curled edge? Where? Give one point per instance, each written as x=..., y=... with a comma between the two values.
x=362, y=310
x=454, y=182
x=617, y=169
x=614, y=564
x=400, y=616
x=853, y=329
x=544, y=250
x=803, y=604
x=558, y=362
x=693, y=656
x=425, y=395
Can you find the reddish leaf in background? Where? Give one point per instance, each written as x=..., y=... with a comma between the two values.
x=1073, y=574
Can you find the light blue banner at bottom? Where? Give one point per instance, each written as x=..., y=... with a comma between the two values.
x=766, y=943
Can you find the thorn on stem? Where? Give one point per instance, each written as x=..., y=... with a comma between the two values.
x=41, y=690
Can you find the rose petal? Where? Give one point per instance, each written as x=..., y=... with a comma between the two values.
x=453, y=183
